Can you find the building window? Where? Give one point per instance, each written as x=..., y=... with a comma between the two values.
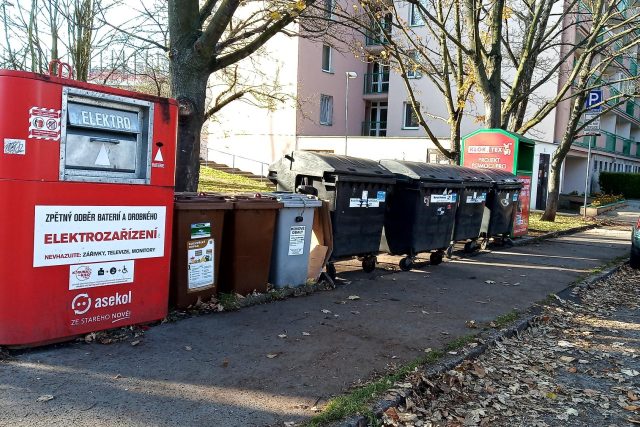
x=328, y=9
x=326, y=110
x=595, y=166
x=413, y=65
x=326, y=58
x=410, y=117
x=601, y=165
x=415, y=17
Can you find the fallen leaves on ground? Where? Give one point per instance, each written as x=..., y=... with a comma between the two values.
x=578, y=364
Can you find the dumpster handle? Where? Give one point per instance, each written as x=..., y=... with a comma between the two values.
x=300, y=217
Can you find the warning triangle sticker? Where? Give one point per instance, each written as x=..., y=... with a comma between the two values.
x=103, y=157
x=158, y=157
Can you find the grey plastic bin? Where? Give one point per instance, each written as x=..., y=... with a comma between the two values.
x=292, y=240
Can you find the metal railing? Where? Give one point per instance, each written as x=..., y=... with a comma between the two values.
x=374, y=128
x=235, y=160
x=376, y=83
x=379, y=34
x=610, y=141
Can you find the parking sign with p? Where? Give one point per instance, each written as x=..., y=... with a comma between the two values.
x=594, y=97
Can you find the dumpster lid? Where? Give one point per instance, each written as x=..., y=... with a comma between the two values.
x=473, y=176
x=501, y=177
x=427, y=172
x=201, y=201
x=295, y=200
x=255, y=201
x=317, y=164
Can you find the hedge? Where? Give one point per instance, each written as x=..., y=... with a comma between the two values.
x=627, y=184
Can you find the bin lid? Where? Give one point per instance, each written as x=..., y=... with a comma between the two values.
x=502, y=178
x=472, y=177
x=425, y=172
x=317, y=164
x=201, y=201
x=255, y=201
x=295, y=200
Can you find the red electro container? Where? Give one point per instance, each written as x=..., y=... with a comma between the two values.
x=86, y=196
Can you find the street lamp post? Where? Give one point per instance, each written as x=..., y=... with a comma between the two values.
x=349, y=75
x=586, y=180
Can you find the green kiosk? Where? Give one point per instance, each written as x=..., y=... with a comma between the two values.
x=506, y=151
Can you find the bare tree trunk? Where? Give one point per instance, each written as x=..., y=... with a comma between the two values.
x=554, y=188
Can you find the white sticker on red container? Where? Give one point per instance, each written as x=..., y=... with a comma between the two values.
x=83, y=276
x=15, y=146
x=200, y=261
x=44, y=123
x=296, y=240
x=85, y=234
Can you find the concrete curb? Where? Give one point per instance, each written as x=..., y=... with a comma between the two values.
x=487, y=340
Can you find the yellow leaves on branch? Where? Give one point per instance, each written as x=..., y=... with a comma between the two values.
x=293, y=7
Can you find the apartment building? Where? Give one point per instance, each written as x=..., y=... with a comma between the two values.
x=616, y=148
x=341, y=104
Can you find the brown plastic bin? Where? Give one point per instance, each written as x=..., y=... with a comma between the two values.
x=246, y=257
x=197, y=243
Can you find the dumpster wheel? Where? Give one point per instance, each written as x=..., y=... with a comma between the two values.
x=406, y=263
x=331, y=270
x=369, y=263
x=436, y=258
x=471, y=246
x=449, y=251
x=484, y=243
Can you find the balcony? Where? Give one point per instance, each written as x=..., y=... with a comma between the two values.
x=376, y=83
x=379, y=35
x=610, y=144
x=374, y=128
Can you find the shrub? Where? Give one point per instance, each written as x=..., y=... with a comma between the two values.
x=627, y=184
x=606, y=199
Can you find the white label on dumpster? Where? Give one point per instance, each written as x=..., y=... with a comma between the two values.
x=477, y=198
x=443, y=198
x=81, y=234
x=374, y=203
x=356, y=203
x=296, y=240
x=82, y=276
x=200, y=261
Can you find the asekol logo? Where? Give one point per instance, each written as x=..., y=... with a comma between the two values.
x=82, y=303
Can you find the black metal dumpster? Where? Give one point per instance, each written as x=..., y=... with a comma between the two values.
x=422, y=209
x=501, y=203
x=471, y=206
x=357, y=190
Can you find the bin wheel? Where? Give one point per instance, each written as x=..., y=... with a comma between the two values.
x=331, y=271
x=449, y=251
x=436, y=258
x=369, y=264
x=469, y=247
x=483, y=244
x=406, y=264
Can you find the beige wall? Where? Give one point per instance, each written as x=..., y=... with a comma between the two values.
x=313, y=81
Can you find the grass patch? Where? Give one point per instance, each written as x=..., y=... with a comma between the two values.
x=458, y=343
x=358, y=401
x=212, y=180
x=230, y=302
x=562, y=222
x=506, y=319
